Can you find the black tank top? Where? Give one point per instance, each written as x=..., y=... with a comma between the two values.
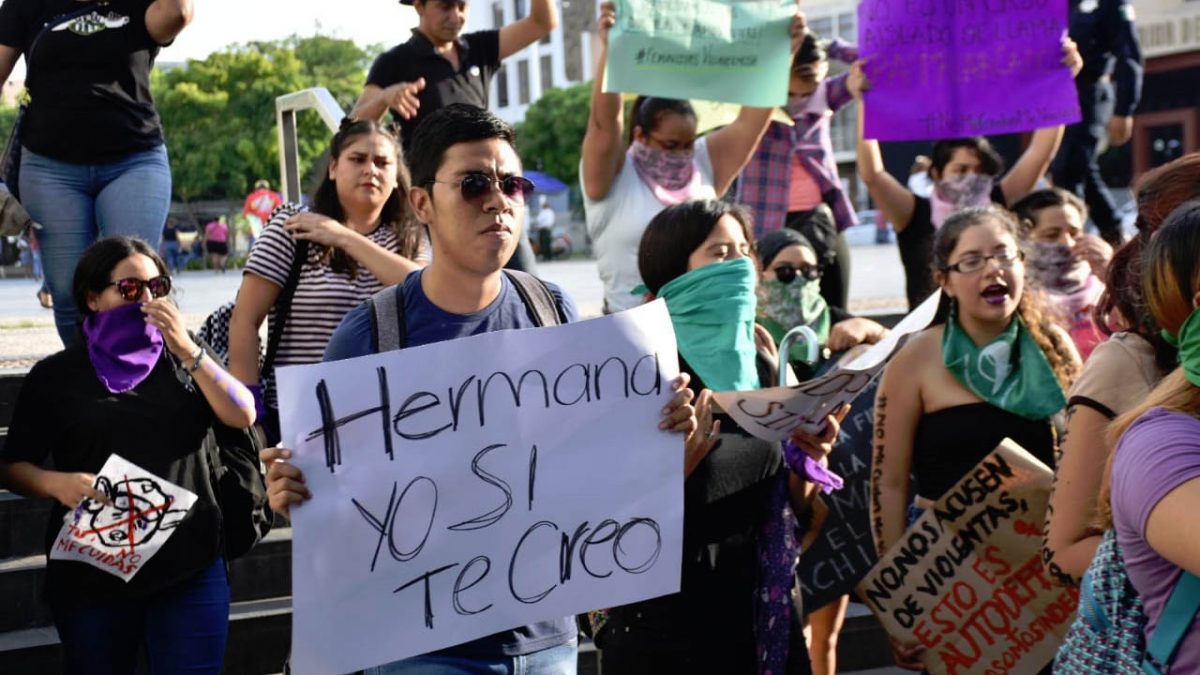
x=950, y=442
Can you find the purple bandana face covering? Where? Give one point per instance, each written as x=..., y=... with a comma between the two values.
x=951, y=195
x=672, y=176
x=122, y=346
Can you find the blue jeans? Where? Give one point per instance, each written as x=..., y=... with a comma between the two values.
x=560, y=660
x=173, y=256
x=80, y=203
x=183, y=629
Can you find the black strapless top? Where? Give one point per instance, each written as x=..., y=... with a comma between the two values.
x=951, y=441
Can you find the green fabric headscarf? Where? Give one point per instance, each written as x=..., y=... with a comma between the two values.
x=1188, y=344
x=1010, y=372
x=782, y=307
x=712, y=310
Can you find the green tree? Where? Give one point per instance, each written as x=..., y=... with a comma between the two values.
x=8, y=116
x=219, y=113
x=551, y=137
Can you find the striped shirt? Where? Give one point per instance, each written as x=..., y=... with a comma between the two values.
x=323, y=295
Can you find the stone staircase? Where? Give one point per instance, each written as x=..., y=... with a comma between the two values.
x=260, y=617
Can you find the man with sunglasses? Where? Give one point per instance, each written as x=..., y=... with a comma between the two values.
x=467, y=188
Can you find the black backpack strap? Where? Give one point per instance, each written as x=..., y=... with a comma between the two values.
x=543, y=306
x=389, y=332
x=283, y=304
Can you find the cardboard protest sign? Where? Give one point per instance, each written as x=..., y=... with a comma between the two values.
x=953, y=69
x=122, y=536
x=738, y=51
x=844, y=551
x=476, y=485
x=966, y=581
x=773, y=414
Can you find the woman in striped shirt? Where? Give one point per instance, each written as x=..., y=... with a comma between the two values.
x=361, y=239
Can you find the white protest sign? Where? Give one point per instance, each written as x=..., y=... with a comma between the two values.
x=472, y=486
x=122, y=536
x=773, y=414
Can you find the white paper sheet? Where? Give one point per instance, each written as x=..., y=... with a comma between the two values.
x=569, y=501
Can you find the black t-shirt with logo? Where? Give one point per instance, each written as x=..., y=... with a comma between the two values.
x=89, y=83
x=479, y=59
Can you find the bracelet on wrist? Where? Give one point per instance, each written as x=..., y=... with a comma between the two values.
x=196, y=359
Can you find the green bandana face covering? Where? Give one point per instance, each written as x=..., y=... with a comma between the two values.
x=1188, y=344
x=1010, y=372
x=782, y=307
x=712, y=310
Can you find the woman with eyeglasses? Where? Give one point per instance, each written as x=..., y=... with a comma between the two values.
x=359, y=238
x=789, y=295
x=993, y=366
x=664, y=163
x=137, y=385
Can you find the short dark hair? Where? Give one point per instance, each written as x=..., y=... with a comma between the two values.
x=811, y=51
x=1027, y=207
x=95, y=266
x=649, y=110
x=990, y=161
x=677, y=231
x=447, y=127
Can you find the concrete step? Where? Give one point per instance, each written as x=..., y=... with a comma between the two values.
x=265, y=572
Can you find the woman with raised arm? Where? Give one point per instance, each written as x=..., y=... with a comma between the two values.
x=137, y=385
x=966, y=172
x=626, y=184
x=944, y=403
x=359, y=238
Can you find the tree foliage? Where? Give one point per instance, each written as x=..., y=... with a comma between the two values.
x=551, y=137
x=219, y=113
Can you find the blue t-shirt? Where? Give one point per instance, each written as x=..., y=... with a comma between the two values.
x=427, y=323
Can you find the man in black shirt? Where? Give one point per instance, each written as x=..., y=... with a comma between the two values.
x=439, y=65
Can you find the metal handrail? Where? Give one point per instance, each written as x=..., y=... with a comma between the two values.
x=811, y=342
x=286, y=107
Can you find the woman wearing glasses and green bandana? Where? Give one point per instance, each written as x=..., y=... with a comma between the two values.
x=993, y=366
x=744, y=498
x=789, y=295
x=135, y=384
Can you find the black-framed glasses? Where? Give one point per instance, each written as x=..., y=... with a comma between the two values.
x=788, y=273
x=974, y=263
x=476, y=185
x=132, y=288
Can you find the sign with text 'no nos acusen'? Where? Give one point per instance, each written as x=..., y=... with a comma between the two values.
x=471, y=486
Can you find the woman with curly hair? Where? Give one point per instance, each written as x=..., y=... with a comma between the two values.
x=993, y=366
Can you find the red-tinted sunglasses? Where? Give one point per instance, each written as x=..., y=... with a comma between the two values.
x=475, y=186
x=132, y=288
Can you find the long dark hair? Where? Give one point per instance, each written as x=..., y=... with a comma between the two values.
x=649, y=110
x=1159, y=192
x=990, y=161
x=95, y=266
x=676, y=232
x=395, y=212
x=1032, y=306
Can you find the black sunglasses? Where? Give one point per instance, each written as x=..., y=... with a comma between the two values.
x=787, y=274
x=132, y=288
x=475, y=186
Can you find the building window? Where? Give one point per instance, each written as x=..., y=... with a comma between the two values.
x=847, y=26
x=497, y=15
x=523, y=81
x=519, y=10
x=501, y=87
x=822, y=28
x=547, y=73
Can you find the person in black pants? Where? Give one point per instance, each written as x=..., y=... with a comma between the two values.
x=1108, y=43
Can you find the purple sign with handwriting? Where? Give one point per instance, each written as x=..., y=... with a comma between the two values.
x=953, y=68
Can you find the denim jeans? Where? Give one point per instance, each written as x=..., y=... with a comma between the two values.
x=173, y=256
x=183, y=628
x=80, y=203
x=560, y=660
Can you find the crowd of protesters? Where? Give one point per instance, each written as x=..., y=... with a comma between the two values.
x=739, y=231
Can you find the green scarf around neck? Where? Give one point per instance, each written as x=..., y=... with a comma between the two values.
x=782, y=307
x=712, y=310
x=1188, y=344
x=1010, y=372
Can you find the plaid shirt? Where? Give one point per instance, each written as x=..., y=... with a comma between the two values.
x=766, y=180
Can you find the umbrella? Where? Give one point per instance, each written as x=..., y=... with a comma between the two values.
x=545, y=183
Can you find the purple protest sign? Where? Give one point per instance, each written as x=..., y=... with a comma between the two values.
x=953, y=68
